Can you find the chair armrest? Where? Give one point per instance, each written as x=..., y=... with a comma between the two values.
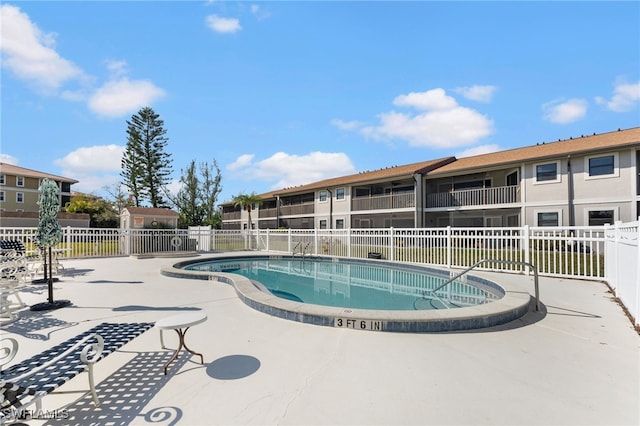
x=8, y=350
x=90, y=354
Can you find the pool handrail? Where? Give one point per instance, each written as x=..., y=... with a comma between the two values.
x=303, y=251
x=509, y=262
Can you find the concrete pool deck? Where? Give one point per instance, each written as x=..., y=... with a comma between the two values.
x=576, y=362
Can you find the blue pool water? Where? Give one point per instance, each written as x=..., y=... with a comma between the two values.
x=354, y=284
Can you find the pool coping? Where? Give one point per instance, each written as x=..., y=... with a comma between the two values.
x=514, y=304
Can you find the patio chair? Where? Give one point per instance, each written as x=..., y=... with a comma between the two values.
x=26, y=383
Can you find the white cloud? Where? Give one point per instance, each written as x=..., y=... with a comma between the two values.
x=94, y=183
x=259, y=12
x=346, y=125
x=565, y=112
x=626, y=97
x=94, y=167
x=99, y=158
x=117, y=68
x=441, y=122
x=122, y=96
x=477, y=93
x=223, y=25
x=286, y=170
x=445, y=124
x=242, y=161
x=435, y=99
x=30, y=54
x=8, y=159
x=478, y=150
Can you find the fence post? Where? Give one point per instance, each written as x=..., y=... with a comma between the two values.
x=289, y=249
x=349, y=242
x=392, y=251
x=268, y=240
x=637, y=310
x=616, y=244
x=315, y=241
x=526, y=236
x=449, y=246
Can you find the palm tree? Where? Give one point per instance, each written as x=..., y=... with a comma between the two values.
x=247, y=201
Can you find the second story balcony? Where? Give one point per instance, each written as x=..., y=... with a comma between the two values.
x=267, y=212
x=475, y=197
x=231, y=215
x=297, y=209
x=383, y=202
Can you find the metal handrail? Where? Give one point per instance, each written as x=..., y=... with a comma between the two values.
x=303, y=251
x=508, y=262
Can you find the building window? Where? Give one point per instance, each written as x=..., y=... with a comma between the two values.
x=19, y=180
x=323, y=224
x=322, y=196
x=547, y=172
x=548, y=219
x=602, y=166
x=3, y=179
x=339, y=223
x=19, y=197
x=340, y=194
x=601, y=217
x=2, y=196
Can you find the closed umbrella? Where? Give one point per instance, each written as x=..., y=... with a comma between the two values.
x=48, y=235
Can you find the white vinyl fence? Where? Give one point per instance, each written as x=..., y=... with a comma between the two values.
x=564, y=251
x=622, y=264
x=608, y=253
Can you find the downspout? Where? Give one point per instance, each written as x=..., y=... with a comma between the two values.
x=330, y=208
x=572, y=219
x=419, y=197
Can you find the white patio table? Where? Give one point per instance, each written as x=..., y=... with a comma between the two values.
x=180, y=323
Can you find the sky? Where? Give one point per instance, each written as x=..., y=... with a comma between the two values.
x=284, y=93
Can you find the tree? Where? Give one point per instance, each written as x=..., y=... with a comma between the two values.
x=146, y=167
x=247, y=201
x=187, y=201
x=211, y=188
x=120, y=199
x=198, y=194
x=101, y=212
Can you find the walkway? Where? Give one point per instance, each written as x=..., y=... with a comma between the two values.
x=575, y=363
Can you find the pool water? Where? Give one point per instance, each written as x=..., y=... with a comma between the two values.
x=351, y=284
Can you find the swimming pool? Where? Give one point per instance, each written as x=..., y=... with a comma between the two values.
x=423, y=311
x=351, y=284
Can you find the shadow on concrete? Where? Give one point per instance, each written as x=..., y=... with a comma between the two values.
x=114, y=282
x=233, y=367
x=128, y=308
x=124, y=395
x=74, y=272
x=571, y=312
x=29, y=322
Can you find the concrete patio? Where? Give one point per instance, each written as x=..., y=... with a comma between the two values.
x=577, y=362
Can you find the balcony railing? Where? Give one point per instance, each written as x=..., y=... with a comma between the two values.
x=297, y=209
x=381, y=202
x=231, y=215
x=267, y=212
x=475, y=197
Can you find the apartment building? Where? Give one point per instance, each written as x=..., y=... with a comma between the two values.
x=587, y=180
x=19, y=197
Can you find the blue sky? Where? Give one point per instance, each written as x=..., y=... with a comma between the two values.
x=281, y=94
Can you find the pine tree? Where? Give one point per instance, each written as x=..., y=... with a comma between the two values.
x=146, y=167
